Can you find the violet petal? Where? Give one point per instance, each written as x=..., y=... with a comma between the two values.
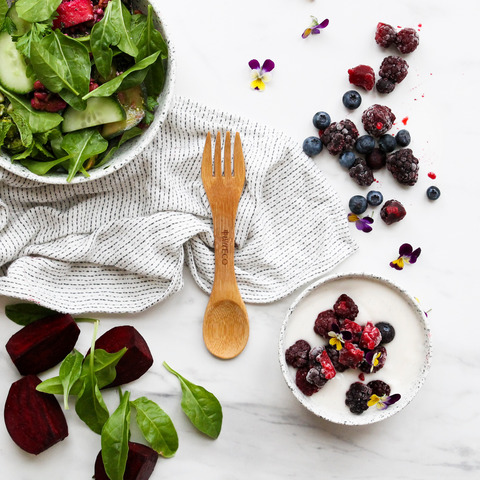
x=268, y=66
x=393, y=399
x=335, y=328
x=324, y=23
x=315, y=31
x=254, y=64
x=405, y=250
x=346, y=335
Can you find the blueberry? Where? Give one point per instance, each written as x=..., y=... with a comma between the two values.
x=387, y=331
x=352, y=99
x=312, y=146
x=433, y=193
x=374, y=198
x=365, y=144
x=387, y=143
x=357, y=204
x=321, y=120
x=346, y=159
x=403, y=138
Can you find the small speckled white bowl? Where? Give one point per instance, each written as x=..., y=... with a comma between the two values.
x=378, y=299
x=129, y=150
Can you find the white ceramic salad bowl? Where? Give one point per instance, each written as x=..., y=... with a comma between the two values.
x=129, y=150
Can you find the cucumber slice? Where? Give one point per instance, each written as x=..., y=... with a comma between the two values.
x=22, y=26
x=13, y=71
x=99, y=110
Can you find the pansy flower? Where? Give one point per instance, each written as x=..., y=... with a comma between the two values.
x=315, y=27
x=406, y=255
x=362, y=223
x=384, y=401
x=338, y=337
x=261, y=75
x=372, y=359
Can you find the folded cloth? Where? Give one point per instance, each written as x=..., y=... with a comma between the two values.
x=119, y=243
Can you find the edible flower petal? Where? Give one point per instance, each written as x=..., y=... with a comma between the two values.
x=261, y=75
x=372, y=359
x=362, y=223
x=338, y=337
x=406, y=255
x=315, y=27
x=384, y=401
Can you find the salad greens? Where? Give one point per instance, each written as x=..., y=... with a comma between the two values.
x=26, y=313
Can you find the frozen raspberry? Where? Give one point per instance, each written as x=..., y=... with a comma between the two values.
x=303, y=384
x=385, y=35
x=358, y=396
x=394, y=68
x=407, y=40
x=339, y=136
x=392, y=211
x=387, y=331
x=377, y=159
x=361, y=173
x=379, y=388
x=328, y=370
x=354, y=328
x=334, y=354
x=315, y=377
x=366, y=367
x=345, y=307
x=350, y=355
x=404, y=166
x=362, y=76
x=385, y=86
x=371, y=337
x=377, y=120
x=323, y=323
x=297, y=354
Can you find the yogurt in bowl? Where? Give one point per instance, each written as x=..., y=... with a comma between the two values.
x=378, y=300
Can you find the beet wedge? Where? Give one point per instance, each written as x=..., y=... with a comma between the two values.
x=141, y=462
x=73, y=13
x=137, y=359
x=43, y=344
x=34, y=419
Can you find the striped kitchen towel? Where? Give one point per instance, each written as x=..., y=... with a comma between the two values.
x=119, y=243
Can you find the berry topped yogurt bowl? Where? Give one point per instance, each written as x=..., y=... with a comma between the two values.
x=84, y=86
x=355, y=348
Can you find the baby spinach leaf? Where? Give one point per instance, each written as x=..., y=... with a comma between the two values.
x=156, y=426
x=201, y=407
x=121, y=20
x=129, y=134
x=41, y=168
x=115, y=435
x=36, y=10
x=4, y=128
x=137, y=26
x=3, y=11
x=26, y=313
x=23, y=128
x=69, y=373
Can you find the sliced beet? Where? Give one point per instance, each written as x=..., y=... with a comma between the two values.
x=72, y=13
x=34, y=419
x=137, y=359
x=43, y=344
x=141, y=461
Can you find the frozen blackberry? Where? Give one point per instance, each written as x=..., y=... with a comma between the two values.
x=403, y=138
x=323, y=323
x=303, y=384
x=345, y=307
x=387, y=143
x=385, y=86
x=362, y=76
x=315, y=377
x=407, y=40
x=392, y=211
x=377, y=120
x=361, y=173
x=322, y=369
x=313, y=354
x=334, y=354
x=376, y=159
x=340, y=136
x=379, y=388
x=385, y=35
x=393, y=68
x=358, y=396
x=403, y=166
x=367, y=367
x=297, y=354
x=365, y=144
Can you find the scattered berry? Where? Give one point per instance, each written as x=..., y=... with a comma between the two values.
x=374, y=198
x=322, y=368
x=358, y=396
x=357, y=204
x=323, y=323
x=362, y=76
x=407, y=40
x=404, y=166
x=297, y=354
x=371, y=337
x=379, y=388
x=433, y=193
x=403, y=138
x=346, y=159
x=352, y=99
x=365, y=144
x=354, y=328
x=385, y=35
x=377, y=120
x=387, y=331
x=303, y=384
x=392, y=211
x=393, y=68
x=321, y=120
x=312, y=146
x=340, y=136
x=387, y=143
x=328, y=370
x=334, y=354
x=345, y=307
x=385, y=86
x=362, y=173
x=351, y=355
x=377, y=159
x=365, y=367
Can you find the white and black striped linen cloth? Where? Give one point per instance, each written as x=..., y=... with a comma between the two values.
x=119, y=243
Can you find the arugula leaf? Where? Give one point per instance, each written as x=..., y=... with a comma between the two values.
x=156, y=426
x=41, y=168
x=37, y=10
x=82, y=145
x=26, y=313
x=121, y=20
x=201, y=407
x=115, y=435
x=69, y=373
x=122, y=82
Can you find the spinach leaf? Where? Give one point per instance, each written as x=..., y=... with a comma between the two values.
x=41, y=168
x=69, y=373
x=156, y=426
x=31, y=150
x=82, y=145
x=121, y=82
x=36, y=10
x=201, y=407
x=26, y=313
x=23, y=128
x=131, y=133
x=115, y=435
x=3, y=11
x=137, y=26
x=4, y=128
x=121, y=20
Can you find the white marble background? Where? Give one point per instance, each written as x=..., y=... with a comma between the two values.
x=266, y=433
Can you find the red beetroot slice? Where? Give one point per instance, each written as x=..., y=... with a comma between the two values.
x=371, y=337
x=72, y=13
x=141, y=462
x=34, y=420
x=43, y=344
x=362, y=76
x=137, y=359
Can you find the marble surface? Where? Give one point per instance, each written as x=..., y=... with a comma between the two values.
x=267, y=434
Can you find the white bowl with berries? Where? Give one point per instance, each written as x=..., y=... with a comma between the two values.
x=355, y=348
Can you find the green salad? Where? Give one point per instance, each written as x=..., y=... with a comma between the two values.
x=78, y=78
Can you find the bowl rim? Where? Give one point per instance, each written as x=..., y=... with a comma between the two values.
x=406, y=399
x=135, y=147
